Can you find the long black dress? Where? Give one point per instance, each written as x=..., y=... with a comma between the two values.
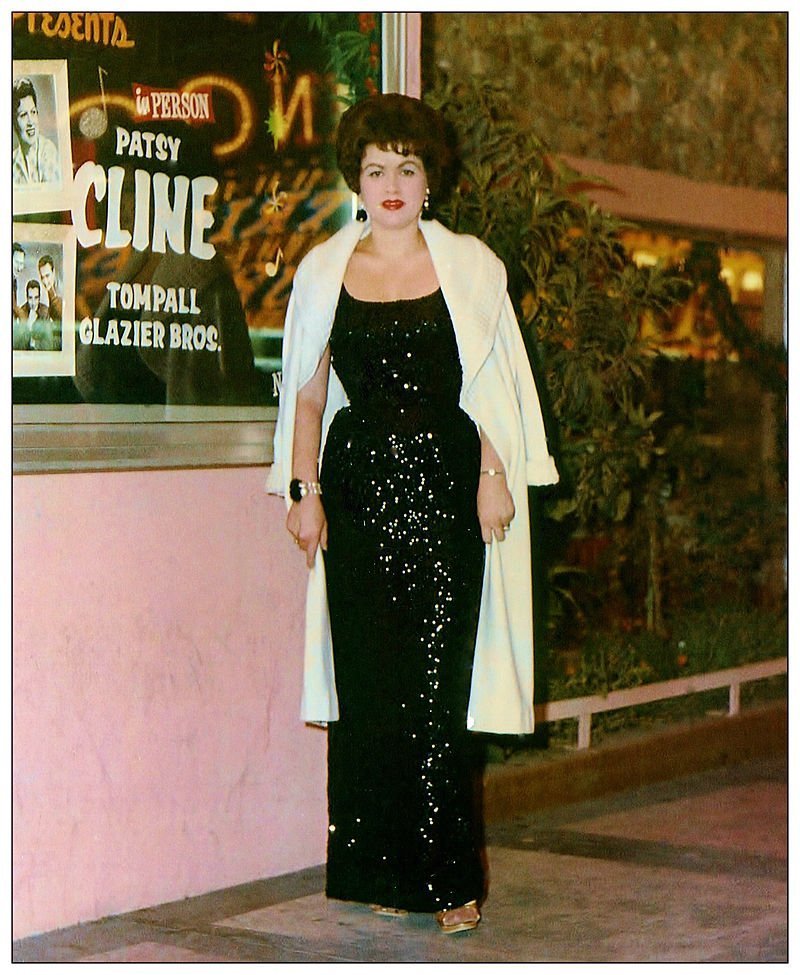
x=404, y=567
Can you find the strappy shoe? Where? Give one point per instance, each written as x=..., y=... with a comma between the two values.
x=388, y=911
x=448, y=923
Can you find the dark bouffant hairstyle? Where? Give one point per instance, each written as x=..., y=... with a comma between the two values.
x=22, y=88
x=400, y=124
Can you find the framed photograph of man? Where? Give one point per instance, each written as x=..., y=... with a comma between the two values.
x=41, y=153
x=43, y=300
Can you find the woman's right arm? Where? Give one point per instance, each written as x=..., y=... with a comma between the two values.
x=306, y=519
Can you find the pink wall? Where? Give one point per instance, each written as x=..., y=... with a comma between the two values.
x=157, y=747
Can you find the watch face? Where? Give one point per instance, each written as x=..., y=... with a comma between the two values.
x=295, y=490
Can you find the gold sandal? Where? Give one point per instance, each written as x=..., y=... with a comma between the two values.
x=468, y=924
x=388, y=911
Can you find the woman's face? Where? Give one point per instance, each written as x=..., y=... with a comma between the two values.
x=27, y=120
x=392, y=187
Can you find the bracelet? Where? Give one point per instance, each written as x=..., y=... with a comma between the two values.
x=299, y=489
x=494, y=472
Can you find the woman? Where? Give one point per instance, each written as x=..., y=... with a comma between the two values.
x=404, y=370
x=35, y=158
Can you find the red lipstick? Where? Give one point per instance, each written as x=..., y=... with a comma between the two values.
x=392, y=204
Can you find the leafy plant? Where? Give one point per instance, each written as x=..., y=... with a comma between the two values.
x=727, y=635
x=579, y=299
x=626, y=425
x=645, y=509
x=354, y=44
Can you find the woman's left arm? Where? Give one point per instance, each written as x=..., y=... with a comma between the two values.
x=495, y=504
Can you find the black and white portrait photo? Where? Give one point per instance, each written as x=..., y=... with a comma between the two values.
x=41, y=153
x=43, y=300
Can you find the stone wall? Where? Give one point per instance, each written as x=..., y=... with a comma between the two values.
x=702, y=95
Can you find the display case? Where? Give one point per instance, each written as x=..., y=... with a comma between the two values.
x=170, y=170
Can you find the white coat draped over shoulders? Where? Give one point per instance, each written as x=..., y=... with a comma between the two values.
x=499, y=394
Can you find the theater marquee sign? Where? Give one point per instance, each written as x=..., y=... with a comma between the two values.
x=169, y=172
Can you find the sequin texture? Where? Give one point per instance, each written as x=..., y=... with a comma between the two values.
x=404, y=567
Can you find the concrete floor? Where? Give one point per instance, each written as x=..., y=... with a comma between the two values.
x=689, y=870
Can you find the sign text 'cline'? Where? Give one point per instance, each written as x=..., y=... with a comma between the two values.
x=161, y=202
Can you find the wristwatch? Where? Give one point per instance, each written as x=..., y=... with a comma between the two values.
x=299, y=489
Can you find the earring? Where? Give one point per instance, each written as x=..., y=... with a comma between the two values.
x=426, y=205
x=361, y=214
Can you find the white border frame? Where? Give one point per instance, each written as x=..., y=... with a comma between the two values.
x=42, y=197
x=59, y=363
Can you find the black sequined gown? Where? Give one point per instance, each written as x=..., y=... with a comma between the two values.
x=404, y=567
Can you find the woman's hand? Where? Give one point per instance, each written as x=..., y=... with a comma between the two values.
x=495, y=507
x=306, y=521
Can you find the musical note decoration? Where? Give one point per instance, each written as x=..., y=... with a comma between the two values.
x=271, y=267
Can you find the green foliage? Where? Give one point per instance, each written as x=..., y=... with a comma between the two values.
x=703, y=640
x=714, y=638
x=578, y=297
x=626, y=425
x=717, y=541
x=354, y=44
x=680, y=531
x=607, y=664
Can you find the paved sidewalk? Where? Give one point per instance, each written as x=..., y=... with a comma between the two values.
x=690, y=870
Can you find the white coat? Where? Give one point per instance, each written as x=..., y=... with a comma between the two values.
x=499, y=394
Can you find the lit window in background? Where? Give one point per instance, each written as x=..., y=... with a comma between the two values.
x=691, y=330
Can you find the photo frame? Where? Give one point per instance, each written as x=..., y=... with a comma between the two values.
x=41, y=157
x=43, y=264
